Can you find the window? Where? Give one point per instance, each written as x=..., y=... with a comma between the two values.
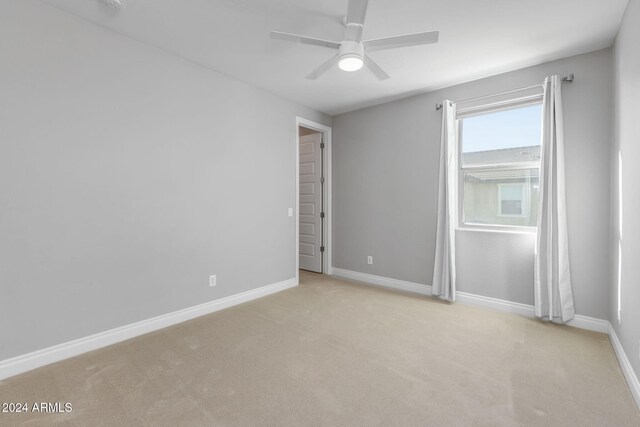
x=512, y=200
x=500, y=165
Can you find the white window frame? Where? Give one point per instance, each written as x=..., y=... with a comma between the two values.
x=481, y=110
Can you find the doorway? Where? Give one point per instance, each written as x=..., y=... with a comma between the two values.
x=313, y=197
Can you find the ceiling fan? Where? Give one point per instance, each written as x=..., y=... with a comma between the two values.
x=352, y=51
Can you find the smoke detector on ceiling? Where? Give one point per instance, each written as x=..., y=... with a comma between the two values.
x=113, y=4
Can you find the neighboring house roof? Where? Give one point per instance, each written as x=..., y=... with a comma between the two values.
x=505, y=155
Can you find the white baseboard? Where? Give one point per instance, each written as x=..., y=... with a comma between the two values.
x=589, y=323
x=625, y=365
x=386, y=282
x=36, y=359
x=578, y=321
x=582, y=322
x=494, y=304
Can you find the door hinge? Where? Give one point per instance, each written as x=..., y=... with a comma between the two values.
x=321, y=248
x=322, y=180
x=321, y=214
x=322, y=145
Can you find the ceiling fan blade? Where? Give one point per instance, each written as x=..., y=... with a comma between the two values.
x=401, y=41
x=324, y=68
x=375, y=68
x=304, y=39
x=356, y=11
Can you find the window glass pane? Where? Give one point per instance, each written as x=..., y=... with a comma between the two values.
x=501, y=197
x=505, y=136
x=511, y=191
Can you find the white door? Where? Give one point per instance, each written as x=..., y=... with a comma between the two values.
x=310, y=209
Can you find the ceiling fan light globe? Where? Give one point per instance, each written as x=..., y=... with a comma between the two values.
x=350, y=63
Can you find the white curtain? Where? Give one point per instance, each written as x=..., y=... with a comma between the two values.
x=553, y=296
x=444, y=271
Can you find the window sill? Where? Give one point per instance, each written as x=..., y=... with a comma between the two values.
x=529, y=231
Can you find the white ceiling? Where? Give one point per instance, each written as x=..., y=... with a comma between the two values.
x=478, y=38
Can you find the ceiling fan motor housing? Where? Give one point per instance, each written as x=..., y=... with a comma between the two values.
x=351, y=49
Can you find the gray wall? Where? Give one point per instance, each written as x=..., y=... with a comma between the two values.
x=627, y=141
x=128, y=176
x=385, y=187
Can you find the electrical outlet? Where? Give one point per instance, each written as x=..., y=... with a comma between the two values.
x=369, y=260
x=212, y=281
x=290, y=212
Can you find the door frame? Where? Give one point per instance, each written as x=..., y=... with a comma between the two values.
x=327, y=196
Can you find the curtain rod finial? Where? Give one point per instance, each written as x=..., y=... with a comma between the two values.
x=438, y=107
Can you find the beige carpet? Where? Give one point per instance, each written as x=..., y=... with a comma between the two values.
x=334, y=353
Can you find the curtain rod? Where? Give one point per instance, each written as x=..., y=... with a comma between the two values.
x=567, y=79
